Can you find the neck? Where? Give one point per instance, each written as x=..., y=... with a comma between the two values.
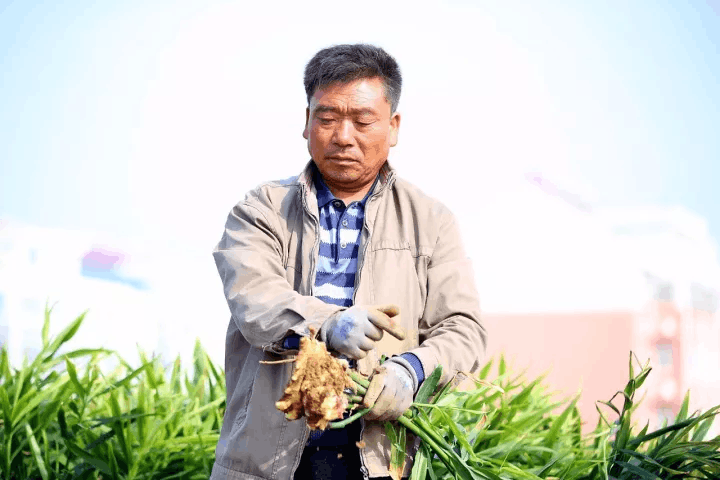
x=350, y=196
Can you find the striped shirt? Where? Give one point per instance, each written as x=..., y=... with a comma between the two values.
x=340, y=229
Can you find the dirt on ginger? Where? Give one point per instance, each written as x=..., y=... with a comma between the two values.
x=316, y=387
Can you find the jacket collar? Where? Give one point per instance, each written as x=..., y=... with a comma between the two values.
x=386, y=177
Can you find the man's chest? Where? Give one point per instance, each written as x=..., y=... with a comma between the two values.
x=340, y=230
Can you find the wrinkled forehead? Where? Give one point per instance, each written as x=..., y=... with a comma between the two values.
x=357, y=95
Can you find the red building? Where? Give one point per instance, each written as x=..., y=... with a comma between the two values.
x=571, y=291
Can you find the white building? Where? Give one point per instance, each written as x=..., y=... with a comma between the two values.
x=159, y=298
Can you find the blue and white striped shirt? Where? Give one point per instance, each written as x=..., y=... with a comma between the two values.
x=340, y=229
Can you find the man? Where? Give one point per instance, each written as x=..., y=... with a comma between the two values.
x=319, y=253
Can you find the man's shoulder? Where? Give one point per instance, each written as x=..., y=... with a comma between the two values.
x=272, y=192
x=418, y=198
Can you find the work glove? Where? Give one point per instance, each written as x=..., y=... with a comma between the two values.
x=353, y=332
x=391, y=390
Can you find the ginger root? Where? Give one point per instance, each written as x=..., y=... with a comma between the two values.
x=316, y=387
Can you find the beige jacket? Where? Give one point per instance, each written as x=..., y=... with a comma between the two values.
x=410, y=255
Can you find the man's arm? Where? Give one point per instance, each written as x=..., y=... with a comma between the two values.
x=451, y=331
x=262, y=302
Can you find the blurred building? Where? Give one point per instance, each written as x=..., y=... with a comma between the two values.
x=71, y=271
x=679, y=328
x=580, y=288
x=158, y=298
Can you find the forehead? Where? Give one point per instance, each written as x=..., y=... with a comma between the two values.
x=361, y=93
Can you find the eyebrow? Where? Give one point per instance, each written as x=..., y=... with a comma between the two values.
x=353, y=111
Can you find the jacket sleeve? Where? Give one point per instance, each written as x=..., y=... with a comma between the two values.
x=263, y=304
x=451, y=332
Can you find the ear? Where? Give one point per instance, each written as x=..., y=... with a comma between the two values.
x=394, y=129
x=306, y=132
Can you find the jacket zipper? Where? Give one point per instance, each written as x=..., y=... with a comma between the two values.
x=313, y=261
x=306, y=435
x=363, y=468
x=313, y=266
x=361, y=260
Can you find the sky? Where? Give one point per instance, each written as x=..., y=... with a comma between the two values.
x=148, y=120
x=152, y=119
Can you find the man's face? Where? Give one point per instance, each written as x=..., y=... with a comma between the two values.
x=350, y=129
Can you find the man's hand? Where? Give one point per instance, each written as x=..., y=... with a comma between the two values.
x=353, y=332
x=390, y=393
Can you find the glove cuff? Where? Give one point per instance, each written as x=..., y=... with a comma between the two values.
x=323, y=333
x=401, y=362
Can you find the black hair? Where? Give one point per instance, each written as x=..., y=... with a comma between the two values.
x=346, y=63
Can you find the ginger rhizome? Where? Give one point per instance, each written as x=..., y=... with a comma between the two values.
x=316, y=387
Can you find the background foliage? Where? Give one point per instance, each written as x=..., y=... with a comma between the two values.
x=63, y=417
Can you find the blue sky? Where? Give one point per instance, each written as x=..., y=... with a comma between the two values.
x=153, y=118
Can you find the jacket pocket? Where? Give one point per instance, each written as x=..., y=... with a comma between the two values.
x=399, y=276
x=243, y=392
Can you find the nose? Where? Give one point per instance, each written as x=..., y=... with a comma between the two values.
x=343, y=135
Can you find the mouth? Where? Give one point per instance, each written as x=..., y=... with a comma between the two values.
x=339, y=158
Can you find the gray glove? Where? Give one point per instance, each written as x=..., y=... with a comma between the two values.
x=353, y=332
x=391, y=391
